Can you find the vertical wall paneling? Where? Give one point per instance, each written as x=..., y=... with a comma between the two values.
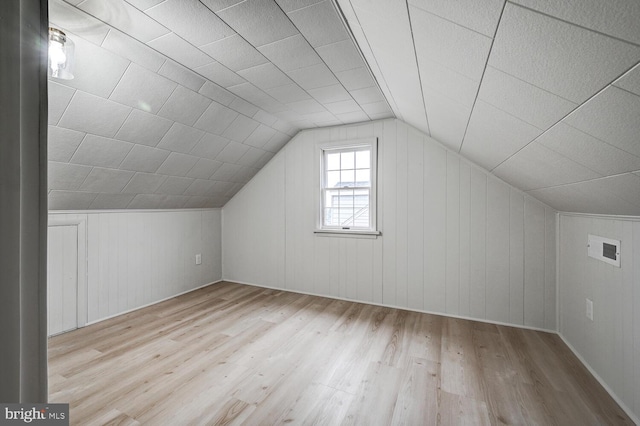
x=516, y=257
x=609, y=344
x=62, y=279
x=452, y=218
x=498, y=216
x=437, y=213
x=550, y=311
x=477, y=244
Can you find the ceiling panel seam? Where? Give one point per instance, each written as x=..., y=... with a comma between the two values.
x=486, y=64
x=633, y=173
x=415, y=54
x=569, y=113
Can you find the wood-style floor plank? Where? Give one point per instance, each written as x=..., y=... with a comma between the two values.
x=232, y=354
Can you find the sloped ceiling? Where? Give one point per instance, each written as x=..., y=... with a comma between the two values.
x=544, y=94
x=178, y=103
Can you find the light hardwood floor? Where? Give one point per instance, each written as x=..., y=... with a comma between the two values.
x=237, y=354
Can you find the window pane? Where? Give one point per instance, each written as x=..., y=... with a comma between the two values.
x=347, y=160
x=361, y=208
x=363, y=159
x=346, y=208
x=333, y=161
x=333, y=178
x=347, y=178
x=362, y=177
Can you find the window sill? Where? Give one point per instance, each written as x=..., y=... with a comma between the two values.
x=346, y=233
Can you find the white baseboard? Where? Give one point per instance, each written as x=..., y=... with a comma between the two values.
x=606, y=387
x=152, y=303
x=404, y=308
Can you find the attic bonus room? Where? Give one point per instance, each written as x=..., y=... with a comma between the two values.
x=368, y=212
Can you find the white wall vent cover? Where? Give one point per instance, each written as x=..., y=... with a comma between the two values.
x=604, y=249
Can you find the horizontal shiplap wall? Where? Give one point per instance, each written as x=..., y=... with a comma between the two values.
x=138, y=258
x=610, y=344
x=455, y=239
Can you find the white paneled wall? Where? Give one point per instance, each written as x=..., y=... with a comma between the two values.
x=138, y=258
x=610, y=344
x=455, y=239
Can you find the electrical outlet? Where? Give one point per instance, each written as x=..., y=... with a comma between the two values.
x=198, y=259
x=590, y=309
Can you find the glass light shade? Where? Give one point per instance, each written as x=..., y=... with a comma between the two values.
x=61, y=55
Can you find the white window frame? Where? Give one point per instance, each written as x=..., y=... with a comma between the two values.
x=346, y=145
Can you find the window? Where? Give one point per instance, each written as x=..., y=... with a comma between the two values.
x=347, y=187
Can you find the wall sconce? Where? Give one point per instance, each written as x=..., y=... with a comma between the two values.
x=61, y=55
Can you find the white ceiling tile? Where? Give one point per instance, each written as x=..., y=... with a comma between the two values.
x=381, y=115
x=244, y=175
x=177, y=164
x=143, y=89
x=221, y=187
x=217, y=5
x=70, y=200
x=143, y=128
x=288, y=93
x=376, y=108
x=199, y=187
x=251, y=93
x=265, y=76
x=493, y=135
x=588, y=151
x=251, y=157
x=447, y=82
x=226, y=172
x=196, y=202
x=536, y=166
x=191, y=20
x=320, y=24
x=184, y=106
x=619, y=18
x=143, y=4
x=217, y=93
x=341, y=56
x=266, y=157
x=62, y=143
x=561, y=58
x=367, y=95
x=92, y=114
x=232, y=152
x=174, y=185
x=357, y=78
x=210, y=146
x=630, y=81
x=204, y=168
x=144, y=183
x=66, y=176
x=71, y=19
x=527, y=102
x=180, y=51
x=285, y=127
x=127, y=47
x=182, y=75
x=59, y=98
x=260, y=136
x=314, y=76
x=216, y=118
x=259, y=22
x=101, y=152
x=234, y=52
x=265, y=118
x=277, y=141
x=106, y=180
x=158, y=201
x=353, y=117
x=447, y=119
x=308, y=106
x=180, y=138
x=449, y=44
x=291, y=53
x=291, y=5
x=343, y=107
x=243, y=107
x=220, y=74
x=144, y=159
x=110, y=201
x=125, y=17
x=240, y=129
x=611, y=116
x=482, y=17
x=334, y=93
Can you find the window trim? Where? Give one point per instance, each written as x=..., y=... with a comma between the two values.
x=343, y=145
